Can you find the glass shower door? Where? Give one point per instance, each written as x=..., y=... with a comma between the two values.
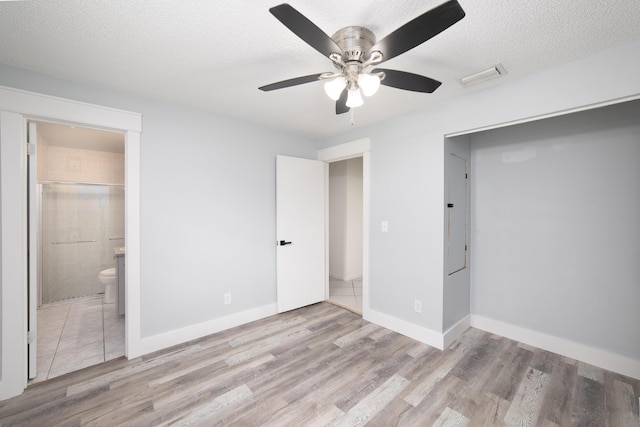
x=81, y=225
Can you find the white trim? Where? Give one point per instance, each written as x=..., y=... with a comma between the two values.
x=357, y=148
x=13, y=285
x=15, y=106
x=411, y=330
x=454, y=332
x=345, y=151
x=132, y=234
x=192, y=332
x=43, y=106
x=613, y=362
x=544, y=116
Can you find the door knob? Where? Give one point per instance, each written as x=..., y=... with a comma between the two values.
x=282, y=243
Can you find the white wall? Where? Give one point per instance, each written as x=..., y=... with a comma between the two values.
x=345, y=219
x=556, y=237
x=354, y=218
x=407, y=174
x=337, y=218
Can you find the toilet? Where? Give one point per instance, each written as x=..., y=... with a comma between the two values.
x=108, y=278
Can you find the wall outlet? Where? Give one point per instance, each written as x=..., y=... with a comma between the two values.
x=227, y=298
x=417, y=306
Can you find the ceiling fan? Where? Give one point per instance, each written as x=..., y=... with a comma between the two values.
x=354, y=49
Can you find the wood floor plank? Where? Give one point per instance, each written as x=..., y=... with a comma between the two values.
x=589, y=404
x=527, y=402
x=512, y=367
x=322, y=365
x=489, y=410
x=373, y=403
x=621, y=405
x=451, y=418
x=429, y=378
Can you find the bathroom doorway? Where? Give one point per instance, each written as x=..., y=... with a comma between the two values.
x=346, y=233
x=80, y=205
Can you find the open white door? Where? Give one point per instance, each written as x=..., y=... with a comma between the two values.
x=300, y=222
x=32, y=192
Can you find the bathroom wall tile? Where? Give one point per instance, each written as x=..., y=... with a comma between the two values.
x=42, y=156
x=56, y=164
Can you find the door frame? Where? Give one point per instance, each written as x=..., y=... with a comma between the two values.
x=349, y=150
x=16, y=107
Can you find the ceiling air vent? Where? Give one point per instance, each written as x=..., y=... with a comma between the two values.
x=483, y=76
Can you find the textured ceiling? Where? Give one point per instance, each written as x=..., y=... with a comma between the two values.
x=213, y=55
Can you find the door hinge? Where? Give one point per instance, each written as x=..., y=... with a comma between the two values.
x=30, y=337
x=31, y=149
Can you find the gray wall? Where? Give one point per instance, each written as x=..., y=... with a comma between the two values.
x=407, y=172
x=207, y=204
x=556, y=231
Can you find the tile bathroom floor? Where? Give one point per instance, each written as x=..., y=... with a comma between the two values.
x=75, y=334
x=346, y=294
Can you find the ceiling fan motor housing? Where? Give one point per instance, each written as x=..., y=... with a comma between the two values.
x=354, y=41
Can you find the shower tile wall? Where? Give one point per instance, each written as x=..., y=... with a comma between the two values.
x=76, y=165
x=73, y=213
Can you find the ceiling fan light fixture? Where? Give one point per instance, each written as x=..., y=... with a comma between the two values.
x=369, y=84
x=334, y=88
x=354, y=99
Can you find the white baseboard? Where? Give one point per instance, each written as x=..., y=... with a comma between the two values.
x=411, y=330
x=613, y=362
x=192, y=332
x=454, y=332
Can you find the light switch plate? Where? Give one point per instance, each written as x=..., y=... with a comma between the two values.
x=384, y=227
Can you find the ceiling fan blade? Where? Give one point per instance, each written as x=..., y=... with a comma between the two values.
x=305, y=29
x=419, y=30
x=407, y=81
x=291, y=82
x=341, y=103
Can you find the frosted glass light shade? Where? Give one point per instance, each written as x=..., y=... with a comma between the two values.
x=369, y=84
x=334, y=87
x=354, y=99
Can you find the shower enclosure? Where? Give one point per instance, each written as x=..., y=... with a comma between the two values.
x=80, y=225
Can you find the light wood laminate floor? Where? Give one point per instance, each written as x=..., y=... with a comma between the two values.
x=322, y=365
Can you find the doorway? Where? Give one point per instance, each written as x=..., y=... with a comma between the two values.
x=345, y=233
x=16, y=106
x=360, y=148
x=80, y=208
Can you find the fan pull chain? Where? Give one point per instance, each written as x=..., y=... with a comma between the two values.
x=352, y=120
